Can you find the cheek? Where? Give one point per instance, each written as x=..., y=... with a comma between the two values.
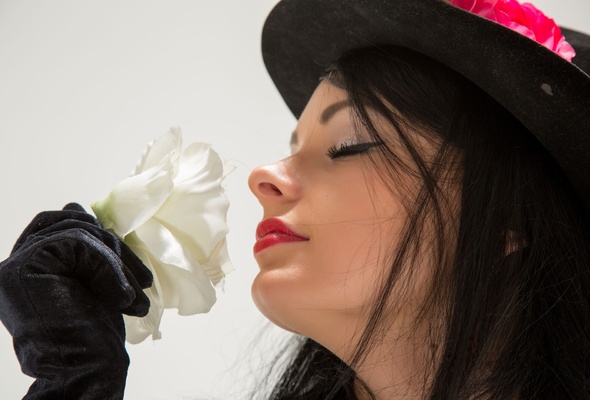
x=331, y=280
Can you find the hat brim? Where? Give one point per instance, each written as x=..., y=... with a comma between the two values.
x=548, y=94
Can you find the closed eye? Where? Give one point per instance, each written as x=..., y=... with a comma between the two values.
x=347, y=149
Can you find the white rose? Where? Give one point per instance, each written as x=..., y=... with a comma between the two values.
x=172, y=213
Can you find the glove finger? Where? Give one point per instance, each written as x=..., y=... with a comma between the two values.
x=136, y=268
x=45, y=219
x=131, y=274
x=74, y=207
x=79, y=254
x=140, y=305
x=140, y=277
x=66, y=224
x=136, y=274
x=121, y=289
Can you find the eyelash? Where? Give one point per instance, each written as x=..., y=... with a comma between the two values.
x=347, y=149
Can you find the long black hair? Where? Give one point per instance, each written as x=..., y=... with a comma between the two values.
x=508, y=310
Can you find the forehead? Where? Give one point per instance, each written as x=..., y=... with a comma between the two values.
x=325, y=106
x=325, y=101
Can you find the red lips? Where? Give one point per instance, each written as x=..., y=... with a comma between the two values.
x=273, y=231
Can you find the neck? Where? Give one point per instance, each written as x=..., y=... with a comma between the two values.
x=396, y=368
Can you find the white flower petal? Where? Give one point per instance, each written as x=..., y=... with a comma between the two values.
x=196, y=208
x=138, y=329
x=166, y=146
x=190, y=291
x=218, y=265
x=163, y=245
x=183, y=283
x=136, y=199
x=180, y=281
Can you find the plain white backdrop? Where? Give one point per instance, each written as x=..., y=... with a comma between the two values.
x=84, y=85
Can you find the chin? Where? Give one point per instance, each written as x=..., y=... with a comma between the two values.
x=272, y=300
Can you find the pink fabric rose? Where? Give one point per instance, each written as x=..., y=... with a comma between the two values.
x=524, y=18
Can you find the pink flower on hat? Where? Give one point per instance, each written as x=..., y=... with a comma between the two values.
x=524, y=18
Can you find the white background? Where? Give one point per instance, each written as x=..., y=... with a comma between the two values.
x=84, y=85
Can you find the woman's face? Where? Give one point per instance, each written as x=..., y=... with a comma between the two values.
x=319, y=272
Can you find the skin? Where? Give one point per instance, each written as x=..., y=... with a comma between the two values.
x=324, y=288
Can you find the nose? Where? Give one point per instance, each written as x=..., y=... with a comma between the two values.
x=274, y=183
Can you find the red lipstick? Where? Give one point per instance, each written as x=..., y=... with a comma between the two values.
x=273, y=231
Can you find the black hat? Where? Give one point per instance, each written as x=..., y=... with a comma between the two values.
x=547, y=93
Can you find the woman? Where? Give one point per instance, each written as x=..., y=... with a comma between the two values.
x=459, y=282
x=428, y=236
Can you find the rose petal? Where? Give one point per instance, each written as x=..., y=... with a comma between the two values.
x=166, y=247
x=565, y=50
x=195, y=212
x=484, y=8
x=191, y=292
x=183, y=286
x=166, y=146
x=163, y=245
x=524, y=18
x=139, y=329
x=219, y=264
x=136, y=199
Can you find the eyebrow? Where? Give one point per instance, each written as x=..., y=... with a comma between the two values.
x=328, y=113
x=333, y=109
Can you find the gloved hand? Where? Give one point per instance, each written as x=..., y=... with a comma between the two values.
x=62, y=292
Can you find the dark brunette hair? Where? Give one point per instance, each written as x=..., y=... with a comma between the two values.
x=511, y=284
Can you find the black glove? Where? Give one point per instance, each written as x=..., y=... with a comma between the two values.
x=62, y=292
